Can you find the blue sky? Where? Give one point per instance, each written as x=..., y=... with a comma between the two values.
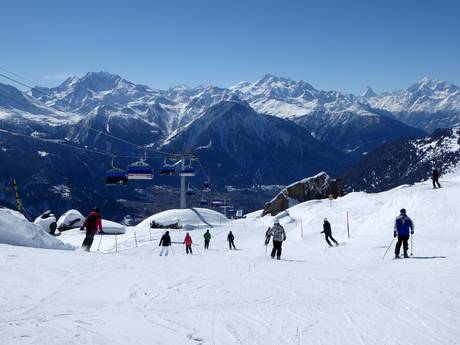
x=342, y=45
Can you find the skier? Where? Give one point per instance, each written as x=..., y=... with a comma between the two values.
x=327, y=231
x=435, y=178
x=403, y=228
x=279, y=235
x=188, y=243
x=207, y=238
x=230, y=239
x=93, y=224
x=165, y=243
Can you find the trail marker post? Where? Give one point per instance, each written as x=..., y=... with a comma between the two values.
x=348, y=226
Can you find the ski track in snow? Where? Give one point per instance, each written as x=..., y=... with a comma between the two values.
x=318, y=295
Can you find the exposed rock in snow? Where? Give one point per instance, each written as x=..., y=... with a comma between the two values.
x=319, y=186
x=368, y=93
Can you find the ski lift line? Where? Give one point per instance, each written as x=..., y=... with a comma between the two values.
x=19, y=76
x=16, y=81
x=145, y=148
x=73, y=146
x=75, y=107
x=106, y=134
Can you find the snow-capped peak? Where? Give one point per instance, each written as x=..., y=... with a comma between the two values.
x=369, y=93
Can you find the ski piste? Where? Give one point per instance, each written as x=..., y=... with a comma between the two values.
x=240, y=293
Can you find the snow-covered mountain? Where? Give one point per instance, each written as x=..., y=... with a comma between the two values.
x=406, y=161
x=170, y=110
x=240, y=145
x=27, y=114
x=427, y=104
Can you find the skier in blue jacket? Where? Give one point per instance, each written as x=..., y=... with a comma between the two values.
x=404, y=227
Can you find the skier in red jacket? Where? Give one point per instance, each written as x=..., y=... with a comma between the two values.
x=188, y=243
x=93, y=224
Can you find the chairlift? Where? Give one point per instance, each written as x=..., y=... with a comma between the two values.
x=217, y=202
x=116, y=177
x=206, y=187
x=204, y=203
x=140, y=171
x=188, y=171
x=190, y=191
x=167, y=169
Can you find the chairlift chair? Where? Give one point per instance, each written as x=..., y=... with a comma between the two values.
x=188, y=171
x=190, y=191
x=140, y=171
x=167, y=170
x=116, y=177
x=206, y=187
x=217, y=202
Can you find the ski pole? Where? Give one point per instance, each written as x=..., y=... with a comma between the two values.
x=99, y=246
x=412, y=245
x=388, y=248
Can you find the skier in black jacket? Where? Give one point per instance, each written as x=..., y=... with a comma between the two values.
x=165, y=243
x=435, y=178
x=230, y=239
x=327, y=231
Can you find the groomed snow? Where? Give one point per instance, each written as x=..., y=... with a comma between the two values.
x=317, y=295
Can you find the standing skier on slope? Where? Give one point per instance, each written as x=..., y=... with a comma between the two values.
x=207, y=238
x=435, y=178
x=279, y=235
x=188, y=243
x=230, y=239
x=165, y=243
x=404, y=227
x=327, y=231
x=93, y=224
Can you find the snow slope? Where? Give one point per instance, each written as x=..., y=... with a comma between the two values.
x=316, y=295
x=18, y=231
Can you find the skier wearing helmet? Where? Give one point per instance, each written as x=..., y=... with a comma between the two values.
x=279, y=235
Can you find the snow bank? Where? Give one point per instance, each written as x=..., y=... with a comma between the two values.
x=109, y=227
x=189, y=218
x=18, y=231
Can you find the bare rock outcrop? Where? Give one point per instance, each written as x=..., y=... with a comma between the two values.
x=320, y=186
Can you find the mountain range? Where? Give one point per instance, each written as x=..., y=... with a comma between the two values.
x=271, y=131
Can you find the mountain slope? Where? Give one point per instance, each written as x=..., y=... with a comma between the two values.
x=225, y=297
x=406, y=161
x=243, y=147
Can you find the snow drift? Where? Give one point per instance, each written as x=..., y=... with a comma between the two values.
x=188, y=219
x=18, y=231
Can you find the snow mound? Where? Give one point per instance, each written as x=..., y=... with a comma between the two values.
x=190, y=218
x=71, y=219
x=18, y=231
x=109, y=227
